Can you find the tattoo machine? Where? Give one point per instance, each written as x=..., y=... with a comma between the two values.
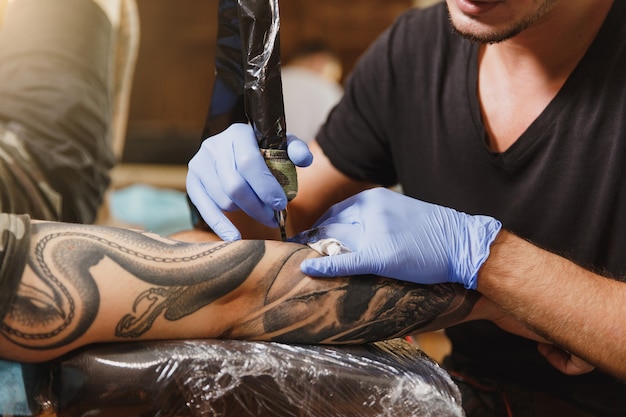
x=259, y=23
x=248, y=88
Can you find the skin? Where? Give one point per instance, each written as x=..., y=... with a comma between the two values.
x=508, y=20
x=586, y=320
x=519, y=74
x=87, y=284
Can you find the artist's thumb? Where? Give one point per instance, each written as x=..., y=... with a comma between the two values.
x=298, y=151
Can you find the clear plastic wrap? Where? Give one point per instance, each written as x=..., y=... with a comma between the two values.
x=237, y=378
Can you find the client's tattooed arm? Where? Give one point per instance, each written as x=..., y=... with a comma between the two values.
x=71, y=285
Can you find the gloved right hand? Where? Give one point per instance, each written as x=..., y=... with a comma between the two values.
x=228, y=173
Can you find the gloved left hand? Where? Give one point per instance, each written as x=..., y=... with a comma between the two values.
x=399, y=237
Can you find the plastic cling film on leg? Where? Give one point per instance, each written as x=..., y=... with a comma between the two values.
x=255, y=379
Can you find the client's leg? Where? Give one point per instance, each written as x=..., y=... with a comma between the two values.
x=55, y=108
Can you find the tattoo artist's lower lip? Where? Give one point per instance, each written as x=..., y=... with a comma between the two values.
x=475, y=7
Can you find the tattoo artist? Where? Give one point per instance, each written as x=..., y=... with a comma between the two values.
x=506, y=135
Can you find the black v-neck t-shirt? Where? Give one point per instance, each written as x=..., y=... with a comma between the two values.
x=410, y=116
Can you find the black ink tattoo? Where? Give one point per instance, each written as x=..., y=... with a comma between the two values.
x=62, y=261
x=224, y=275
x=62, y=302
x=351, y=310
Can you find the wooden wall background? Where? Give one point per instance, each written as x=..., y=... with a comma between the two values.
x=174, y=72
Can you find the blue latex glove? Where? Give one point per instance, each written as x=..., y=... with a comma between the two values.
x=399, y=237
x=228, y=173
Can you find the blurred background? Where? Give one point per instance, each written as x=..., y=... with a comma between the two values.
x=174, y=70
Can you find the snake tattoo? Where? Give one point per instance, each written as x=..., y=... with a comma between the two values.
x=62, y=260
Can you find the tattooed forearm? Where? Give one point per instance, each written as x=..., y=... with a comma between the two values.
x=350, y=309
x=85, y=284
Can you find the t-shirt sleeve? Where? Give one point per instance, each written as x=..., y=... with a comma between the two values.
x=14, y=245
x=355, y=136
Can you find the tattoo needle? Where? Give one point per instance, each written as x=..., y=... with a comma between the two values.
x=281, y=218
